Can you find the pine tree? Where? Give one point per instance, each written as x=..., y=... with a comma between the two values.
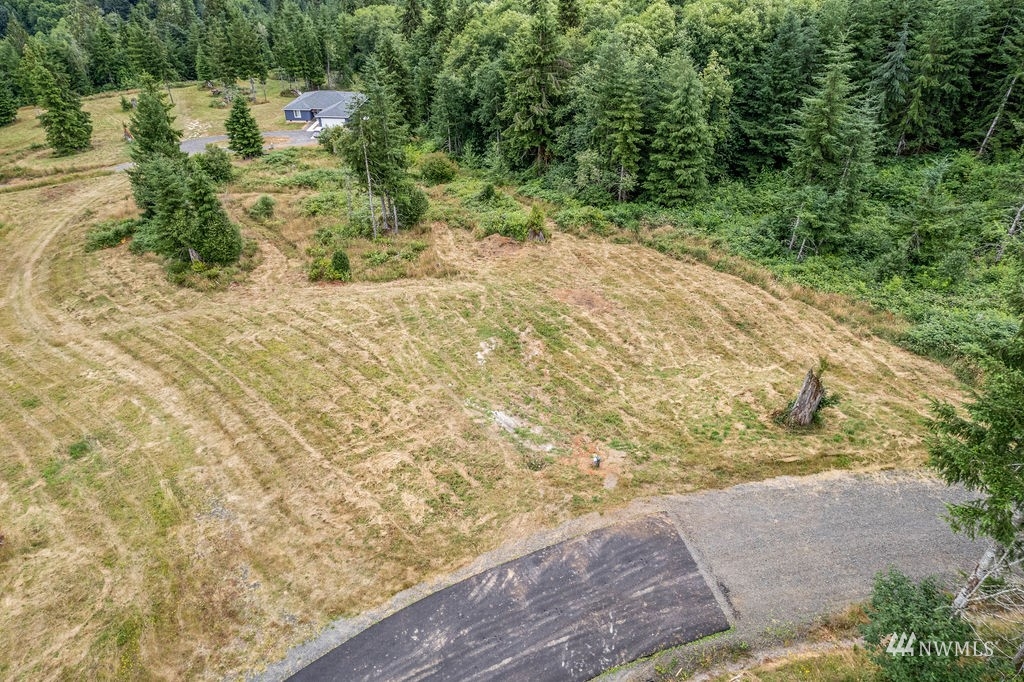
x=68, y=128
x=534, y=90
x=211, y=235
x=8, y=106
x=243, y=133
x=892, y=82
x=682, y=143
x=150, y=125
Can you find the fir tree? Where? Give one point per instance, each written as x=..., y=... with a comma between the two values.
x=682, y=142
x=211, y=235
x=831, y=152
x=412, y=18
x=717, y=89
x=568, y=14
x=620, y=123
x=8, y=106
x=243, y=133
x=892, y=81
x=534, y=90
x=150, y=125
x=68, y=128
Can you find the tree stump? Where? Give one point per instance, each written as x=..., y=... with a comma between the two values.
x=807, y=401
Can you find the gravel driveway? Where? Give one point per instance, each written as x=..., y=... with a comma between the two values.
x=776, y=553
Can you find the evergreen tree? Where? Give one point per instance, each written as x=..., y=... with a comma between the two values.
x=243, y=133
x=412, y=18
x=68, y=128
x=619, y=130
x=717, y=89
x=209, y=234
x=150, y=125
x=891, y=84
x=831, y=152
x=568, y=14
x=682, y=142
x=776, y=89
x=8, y=106
x=534, y=90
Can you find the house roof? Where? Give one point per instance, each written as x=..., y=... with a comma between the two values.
x=345, y=107
x=319, y=99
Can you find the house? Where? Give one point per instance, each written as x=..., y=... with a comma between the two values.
x=322, y=108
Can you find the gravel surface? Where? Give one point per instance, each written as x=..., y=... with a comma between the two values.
x=776, y=553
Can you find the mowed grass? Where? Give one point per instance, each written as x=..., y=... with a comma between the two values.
x=197, y=481
x=849, y=665
x=23, y=150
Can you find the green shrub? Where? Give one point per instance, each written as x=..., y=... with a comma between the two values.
x=511, y=224
x=216, y=163
x=582, y=219
x=437, y=168
x=263, y=209
x=325, y=203
x=329, y=137
x=375, y=258
x=536, y=225
x=109, y=233
x=411, y=204
x=340, y=264
x=126, y=104
x=487, y=194
x=898, y=605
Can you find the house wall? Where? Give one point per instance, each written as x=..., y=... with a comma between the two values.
x=331, y=122
x=298, y=115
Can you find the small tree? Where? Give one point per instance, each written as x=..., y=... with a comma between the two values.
x=216, y=163
x=213, y=237
x=150, y=125
x=243, y=133
x=8, y=105
x=68, y=128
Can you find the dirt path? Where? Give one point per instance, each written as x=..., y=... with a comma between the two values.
x=776, y=553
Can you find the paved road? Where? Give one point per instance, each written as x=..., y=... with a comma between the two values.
x=566, y=612
x=775, y=553
x=281, y=138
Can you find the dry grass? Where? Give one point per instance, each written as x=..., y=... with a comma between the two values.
x=24, y=155
x=846, y=665
x=262, y=459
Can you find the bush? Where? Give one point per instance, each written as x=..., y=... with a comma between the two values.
x=109, y=233
x=536, y=225
x=329, y=136
x=325, y=203
x=126, y=104
x=436, y=168
x=583, y=219
x=340, y=264
x=898, y=605
x=411, y=204
x=216, y=163
x=263, y=209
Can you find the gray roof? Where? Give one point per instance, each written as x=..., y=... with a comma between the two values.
x=320, y=99
x=345, y=107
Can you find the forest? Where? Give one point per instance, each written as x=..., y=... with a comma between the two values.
x=868, y=148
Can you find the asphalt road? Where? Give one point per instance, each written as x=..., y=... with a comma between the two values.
x=281, y=138
x=775, y=554
x=566, y=612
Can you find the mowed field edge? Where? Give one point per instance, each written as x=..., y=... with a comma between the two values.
x=197, y=481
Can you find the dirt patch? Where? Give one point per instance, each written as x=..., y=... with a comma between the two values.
x=584, y=298
x=497, y=246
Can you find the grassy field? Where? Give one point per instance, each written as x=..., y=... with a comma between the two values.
x=194, y=482
x=23, y=150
